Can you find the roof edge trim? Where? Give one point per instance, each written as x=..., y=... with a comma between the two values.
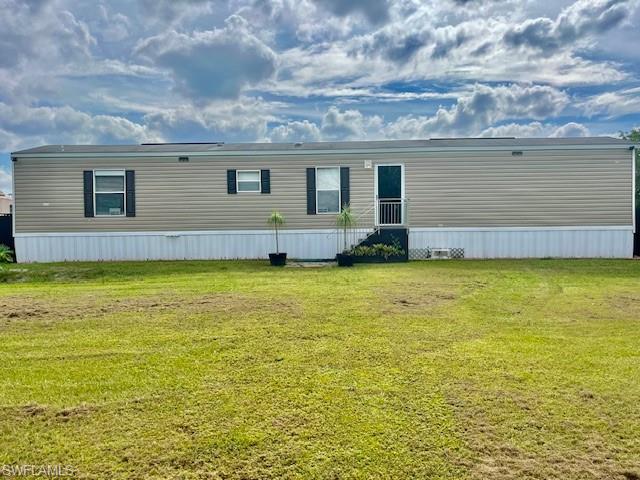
x=351, y=151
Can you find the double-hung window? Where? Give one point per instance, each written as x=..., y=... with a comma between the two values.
x=328, y=189
x=109, y=192
x=248, y=181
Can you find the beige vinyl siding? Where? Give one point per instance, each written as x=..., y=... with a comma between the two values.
x=451, y=189
x=539, y=188
x=172, y=196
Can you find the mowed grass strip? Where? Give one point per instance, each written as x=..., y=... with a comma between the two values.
x=457, y=369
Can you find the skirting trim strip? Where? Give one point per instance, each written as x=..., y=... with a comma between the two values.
x=180, y=233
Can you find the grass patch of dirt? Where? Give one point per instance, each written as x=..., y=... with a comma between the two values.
x=626, y=303
x=416, y=298
x=61, y=414
x=20, y=307
x=498, y=451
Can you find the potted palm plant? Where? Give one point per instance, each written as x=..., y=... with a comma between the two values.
x=345, y=220
x=277, y=259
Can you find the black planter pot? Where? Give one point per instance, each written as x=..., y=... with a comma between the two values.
x=278, y=259
x=344, y=260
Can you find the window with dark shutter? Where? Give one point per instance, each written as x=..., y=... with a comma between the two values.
x=311, y=191
x=88, y=193
x=109, y=192
x=248, y=181
x=328, y=190
x=231, y=182
x=265, y=181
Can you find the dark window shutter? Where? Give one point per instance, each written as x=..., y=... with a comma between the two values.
x=88, y=193
x=231, y=182
x=344, y=186
x=311, y=191
x=130, y=189
x=265, y=181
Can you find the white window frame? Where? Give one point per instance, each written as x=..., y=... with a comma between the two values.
x=110, y=173
x=329, y=190
x=248, y=191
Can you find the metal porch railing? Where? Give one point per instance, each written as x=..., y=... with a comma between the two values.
x=391, y=212
x=382, y=213
x=364, y=227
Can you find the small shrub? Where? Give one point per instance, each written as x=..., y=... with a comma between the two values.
x=363, y=251
x=387, y=251
x=378, y=250
x=6, y=254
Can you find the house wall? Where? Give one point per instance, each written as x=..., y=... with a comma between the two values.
x=5, y=204
x=184, y=208
x=177, y=196
x=539, y=188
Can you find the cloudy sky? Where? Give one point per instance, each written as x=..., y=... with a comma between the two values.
x=130, y=71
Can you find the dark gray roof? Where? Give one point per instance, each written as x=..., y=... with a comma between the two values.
x=452, y=143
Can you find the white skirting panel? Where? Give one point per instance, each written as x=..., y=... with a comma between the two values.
x=537, y=242
x=244, y=244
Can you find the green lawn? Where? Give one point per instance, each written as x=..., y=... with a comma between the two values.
x=451, y=369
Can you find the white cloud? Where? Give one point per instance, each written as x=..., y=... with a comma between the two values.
x=537, y=129
x=349, y=125
x=376, y=11
x=177, y=10
x=415, y=49
x=242, y=119
x=212, y=64
x=41, y=35
x=476, y=113
x=533, y=129
x=614, y=103
x=24, y=126
x=296, y=131
x=483, y=107
x=582, y=19
x=111, y=27
x=571, y=129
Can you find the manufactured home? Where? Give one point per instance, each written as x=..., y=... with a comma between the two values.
x=480, y=198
